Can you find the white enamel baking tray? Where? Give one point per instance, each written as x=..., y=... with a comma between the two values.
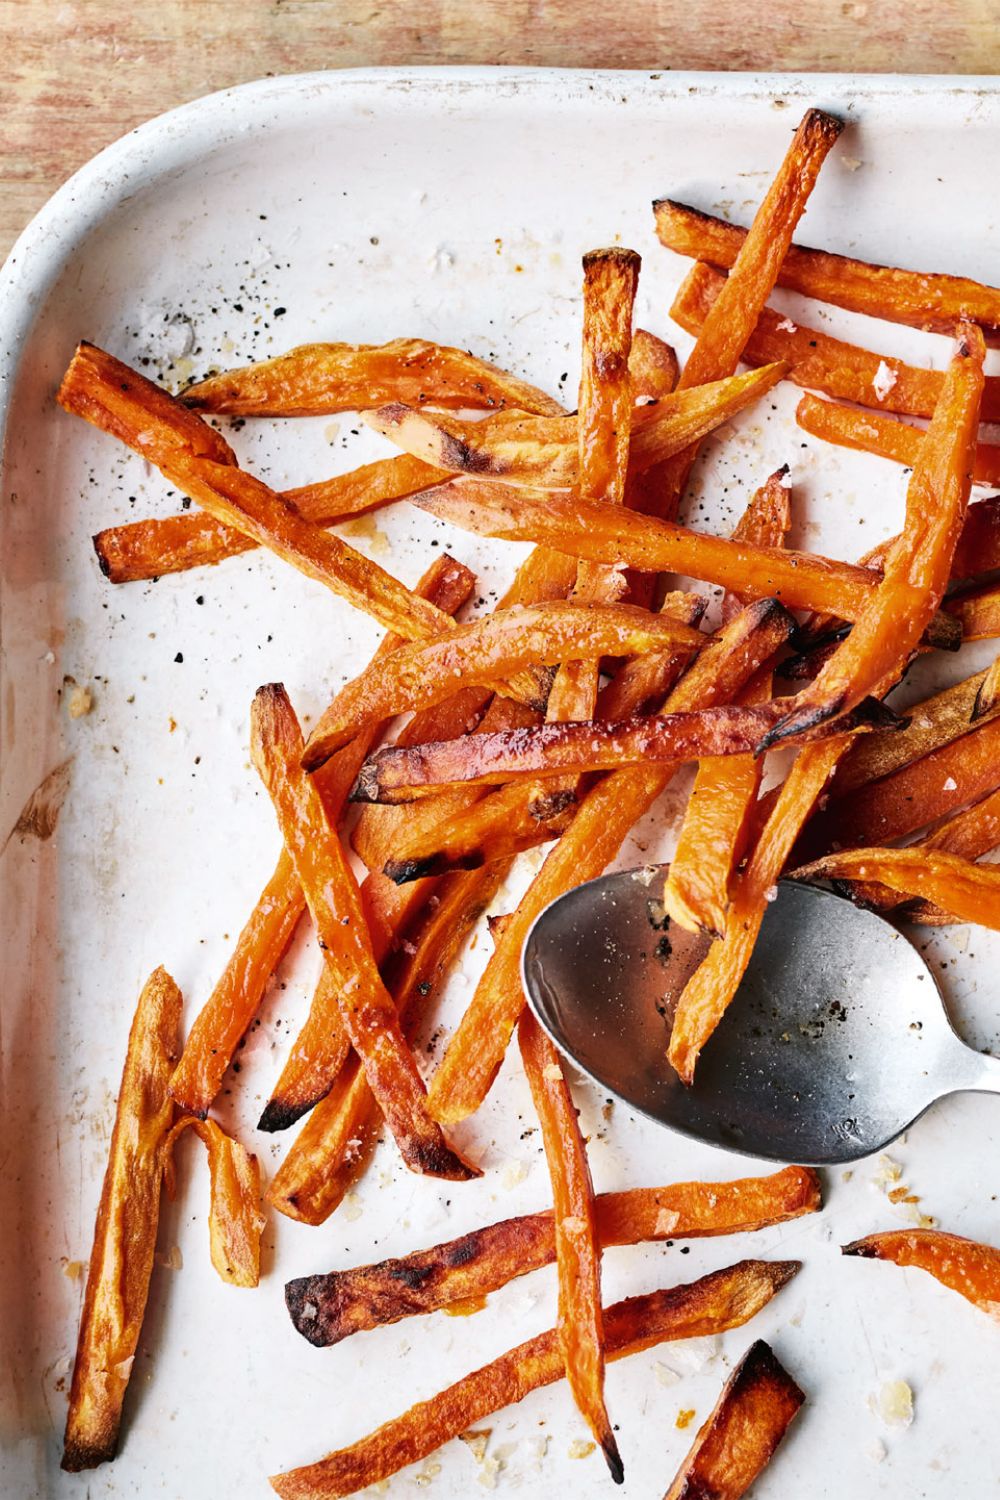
x=454, y=205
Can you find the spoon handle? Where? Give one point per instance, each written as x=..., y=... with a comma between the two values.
x=982, y=1075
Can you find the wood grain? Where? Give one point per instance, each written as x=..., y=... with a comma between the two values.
x=76, y=74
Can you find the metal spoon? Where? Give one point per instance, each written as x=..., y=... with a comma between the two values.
x=836, y=1041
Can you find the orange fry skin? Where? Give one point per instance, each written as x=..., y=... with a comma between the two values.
x=235, y=1221
x=922, y=299
x=424, y=673
x=475, y=1053
x=580, y=1323
x=328, y=1308
x=653, y=366
x=724, y=1299
x=917, y=569
x=822, y=363
x=965, y=1266
x=979, y=611
x=322, y=379
x=365, y=1008
x=148, y=549
x=224, y=1018
x=868, y=432
x=121, y=1259
x=970, y=891
x=743, y=1430
x=335, y=1143
x=710, y=990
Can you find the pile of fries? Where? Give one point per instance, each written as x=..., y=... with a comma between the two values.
x=558, y=720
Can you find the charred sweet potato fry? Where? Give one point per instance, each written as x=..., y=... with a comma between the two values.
x=335, y=1142
x=746, y=1425
x=727, y=730
x=223, y=1020
x=330, y=1307
x=515, y=818
x=494, y=646
x=822, y=363
x=988, y=697
x=922, y=299
x=710, y=990
x=970, y=891
x=365, y=1008
x=317, y=380
x=716, y=826
x=730, y=322
x=870, y=432
x=917, y=569
x=580, y=1323
x=965, y=1266
x=182, y=446
x=602, y=821
x=121, y=1260
x=721, y=1300
x=235, y=1222
x=609, y=534
x=915, y=794
x=543, y=452
x=172, y=544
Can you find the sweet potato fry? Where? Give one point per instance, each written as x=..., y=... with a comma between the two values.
x=334, y=1144
x=978, y=609
x=730, y=322
x=494, y=646
x=118, y=400
x=652, y=365
x=172, y=544
x=592, y=840
x=817, y=360
x=727, y=730
x=988, y=697
x=960, y=771
x=543, y=452
x=366, y=1010
x=934, y=722
x=121, y=1260
x=965, y=1266
x=746, y=1425
x=235, y=1222
x=716, y=826
x=580, y=1323
x=232, y=1005
x=710, y=990
x=317, y=380
x=609, y=534
x=330, y=1307
x=917, y=569
x=721, y=1300
x=515, y=818
x=922, y=299
x=970, y=891
x=869, y=432
x=970, y=833
x=604, y=420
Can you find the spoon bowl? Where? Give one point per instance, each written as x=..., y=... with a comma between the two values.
x=836, y=1041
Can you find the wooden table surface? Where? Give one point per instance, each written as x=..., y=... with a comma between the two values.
x=76, y=74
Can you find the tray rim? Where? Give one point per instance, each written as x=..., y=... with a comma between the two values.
x=122, y=168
